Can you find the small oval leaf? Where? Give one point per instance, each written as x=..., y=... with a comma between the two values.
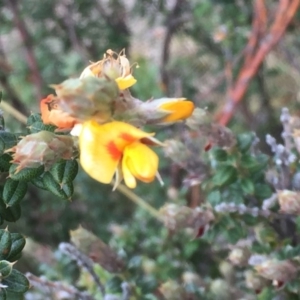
x=7, y=140
x=38, y=182
x=52, y=186
x=14, y=191
x=247, y=186
x=5, y=162
x=18, y=243
x=12, y=213
x=225, y=175
x=5, y=243
x=26, y=174
x=5, y=268
x=64, y=171
x=16, y=282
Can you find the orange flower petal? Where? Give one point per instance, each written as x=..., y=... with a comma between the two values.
x=51, y=114
x=45, y=108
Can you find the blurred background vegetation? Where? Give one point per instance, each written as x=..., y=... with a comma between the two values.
x=194, y=49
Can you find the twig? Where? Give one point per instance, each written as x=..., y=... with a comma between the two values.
x=139, y=201
x=14, y=112
x=50, y=287
x=82, y=261
x=173, y=23
x=261, y=41
x=68, y=23
x=26, y=39
x=5, y=69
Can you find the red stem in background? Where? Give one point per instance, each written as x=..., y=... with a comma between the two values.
x=259, y=45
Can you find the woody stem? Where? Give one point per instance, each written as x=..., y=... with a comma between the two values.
x=14, y=112
x=139, y=201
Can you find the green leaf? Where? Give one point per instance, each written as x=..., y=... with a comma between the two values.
x=3, y=294
x=5, y=243
x=12, y=213
x=266, y=294
x=7, y=140
x=26, y=174
x=53, y=186
x=235, y=233
x=5, y=268
x=247, y=186
x=64, y=171
x=298, y=223
x=17, y=245
x=38, y=182
x=59, y=179
x=254, y=164
x=263, y=191
x=34, y=117
x=113, y=285
x=14, y=192
x=249, y=162
x=219, y=154
x=214, y=198
x=244, y=141
x=68, y=188
x=5, y=162
x=16, y=282
x=225, y=175
x=35, y=124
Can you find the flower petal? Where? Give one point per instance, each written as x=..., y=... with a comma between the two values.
x=129, y=179
x=125, y=82
x=95, y=157
x=139, y=161
x=51, y=114
x=179, y=110
x=102, y=147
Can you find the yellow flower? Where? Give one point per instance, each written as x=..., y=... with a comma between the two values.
x=179, y=109
x=116, y=146
x=167, y=110
x=114, y=66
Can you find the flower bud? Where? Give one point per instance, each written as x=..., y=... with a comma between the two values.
x=176, y=149
x=289, y=201
x=227, y=270
x=87, y=98
x=220, y=289
x=149, y=266
x=277, y=270
x=239, y=256
x=166, y=110
x=114, y=66
x=171, y=290
x=42, y=148
x=255, y=282
x=178, y=217
x=190, y=278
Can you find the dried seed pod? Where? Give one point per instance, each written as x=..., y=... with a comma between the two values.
x=42, y=148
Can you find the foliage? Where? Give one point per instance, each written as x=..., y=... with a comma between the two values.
x=226, y=223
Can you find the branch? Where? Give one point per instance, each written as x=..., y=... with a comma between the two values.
x=51, y=288
x=173, y=22
x=259, y=45
x=27, y=42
